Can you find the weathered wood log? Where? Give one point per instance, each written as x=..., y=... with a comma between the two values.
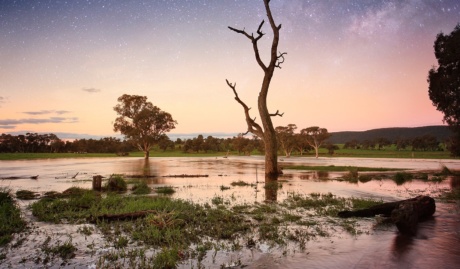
x=186, y=175
x=404, y=214
x=122, y=216
x=408, y=214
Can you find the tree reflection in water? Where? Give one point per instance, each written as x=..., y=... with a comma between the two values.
x=271, y=189
x=143, y=169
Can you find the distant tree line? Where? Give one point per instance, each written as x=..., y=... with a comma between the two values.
x=290, y=142
x=50, y=143
x=419, y=143
x=240, y=144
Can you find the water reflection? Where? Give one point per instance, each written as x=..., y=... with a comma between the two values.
x=317, y=175
x=146, y=171
x=455, y=182
x=401, y=245
x=271, y=188
x=435, y=246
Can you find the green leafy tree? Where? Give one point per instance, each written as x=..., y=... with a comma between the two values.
x=331, y=148
x=286, y=138
x=444, y=82
x=141, y=122
x=382, y=142
x=315, y=137
x=164, y=143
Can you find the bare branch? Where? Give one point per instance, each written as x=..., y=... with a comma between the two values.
x=277, y=113
x=280, y=59
x=245, y=133
x=253, y=127
x=243, y=32
x=254, y=42
x=259, y=31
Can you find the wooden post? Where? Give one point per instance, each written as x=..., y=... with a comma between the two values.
x=97, y=183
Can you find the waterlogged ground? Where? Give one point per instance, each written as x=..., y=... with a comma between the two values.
x=376, y=246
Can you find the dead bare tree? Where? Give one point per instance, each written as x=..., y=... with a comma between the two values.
x=266, y=132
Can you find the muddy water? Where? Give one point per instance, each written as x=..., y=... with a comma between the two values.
x=435, y=246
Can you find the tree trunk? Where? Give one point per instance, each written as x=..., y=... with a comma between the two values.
x=405, y=214
x=146, y=154
x=271, y=145
x=266, y=132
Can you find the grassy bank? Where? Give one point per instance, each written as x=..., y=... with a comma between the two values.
x=390, y=152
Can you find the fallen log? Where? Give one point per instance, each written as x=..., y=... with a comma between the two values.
x=404, y=214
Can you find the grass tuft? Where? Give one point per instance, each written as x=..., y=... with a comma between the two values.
x=167, y=190
x=140, y=188
x=10, y=217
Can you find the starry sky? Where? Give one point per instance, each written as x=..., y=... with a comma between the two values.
x=351, y=65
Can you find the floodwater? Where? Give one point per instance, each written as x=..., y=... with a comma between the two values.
x=435, y=246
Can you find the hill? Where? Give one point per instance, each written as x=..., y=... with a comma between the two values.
x=439, y=131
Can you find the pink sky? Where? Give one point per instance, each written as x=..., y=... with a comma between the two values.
x=350, y=65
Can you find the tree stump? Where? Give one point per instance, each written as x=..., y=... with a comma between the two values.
x=409, y=213
x=405, y=214
x=97, y=183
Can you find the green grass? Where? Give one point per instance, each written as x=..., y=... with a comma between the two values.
x=389, y=152
x=10, y=217
x=167, y=190
x=140, y=188
x=31, y=156
x=116, y=183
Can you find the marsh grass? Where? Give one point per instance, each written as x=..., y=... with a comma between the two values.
x=241, y=183
x=224, y=188
x=74, y=207
x=178, y=230
x=140, y=188
x=11, y=221
x=65, y=250
x=26, y=195
x=167, y=190
x=402, y=177
x=116, y=184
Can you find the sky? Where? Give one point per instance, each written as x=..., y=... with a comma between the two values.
x=351, y=65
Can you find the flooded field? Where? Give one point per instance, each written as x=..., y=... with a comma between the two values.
x=435, y=246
